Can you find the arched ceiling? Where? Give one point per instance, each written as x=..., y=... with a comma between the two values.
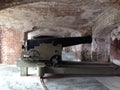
x=10, y=3
x=77, y=15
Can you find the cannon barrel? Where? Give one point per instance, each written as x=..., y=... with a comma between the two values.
x=65, y=42
x=70, y=41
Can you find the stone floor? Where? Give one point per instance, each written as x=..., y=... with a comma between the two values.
x=75, y=83
x=10, y=79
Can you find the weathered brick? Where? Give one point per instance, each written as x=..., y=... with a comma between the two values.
x=11, y=42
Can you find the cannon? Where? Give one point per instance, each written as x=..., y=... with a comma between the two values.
x=48, y=49
x=45, y=52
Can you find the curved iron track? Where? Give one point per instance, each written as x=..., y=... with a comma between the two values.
x=43, y=84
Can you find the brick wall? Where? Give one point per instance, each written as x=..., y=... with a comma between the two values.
x=100, y=49
x=115, y=49
x=11, y=41
x=0, y=44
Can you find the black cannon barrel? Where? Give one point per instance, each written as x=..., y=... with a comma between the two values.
x=65, y=42
x=70, y=41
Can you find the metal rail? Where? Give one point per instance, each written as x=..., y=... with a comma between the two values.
x=43, y=84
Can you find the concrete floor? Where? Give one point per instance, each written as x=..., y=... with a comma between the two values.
x=75, y=83
x=10, y=79
x=84, y=83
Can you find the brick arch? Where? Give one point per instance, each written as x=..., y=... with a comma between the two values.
x=10, y=3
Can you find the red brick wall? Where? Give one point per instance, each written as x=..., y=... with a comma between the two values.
x=0, y=44
x=115, y=49
x=11, y=41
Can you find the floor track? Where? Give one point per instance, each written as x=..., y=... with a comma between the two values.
x=43, y=84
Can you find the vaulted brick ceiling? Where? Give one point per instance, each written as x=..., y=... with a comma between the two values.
x=78, y=15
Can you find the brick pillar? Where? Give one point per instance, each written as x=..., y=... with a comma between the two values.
x=115, y=49
x=11, y=42
x=86, y=53
x=0, y=44
x=101, y=49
